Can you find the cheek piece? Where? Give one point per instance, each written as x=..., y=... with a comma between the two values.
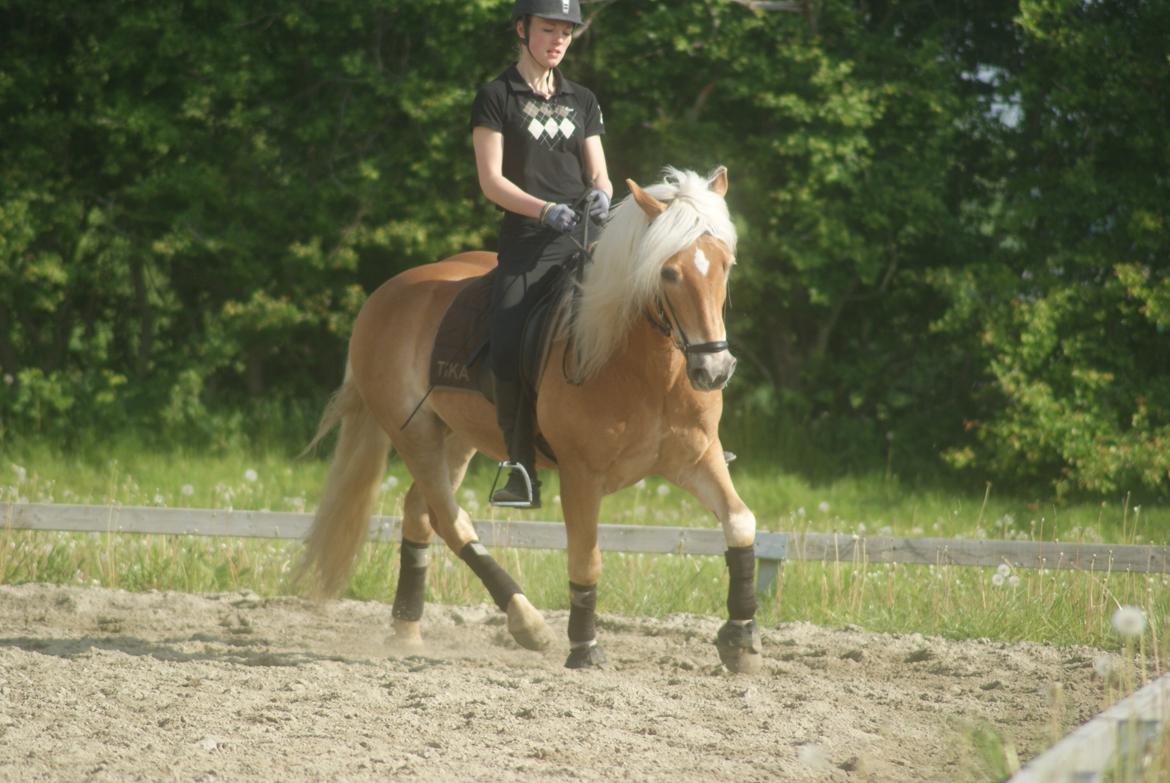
x=741, y=571
x=412, y=581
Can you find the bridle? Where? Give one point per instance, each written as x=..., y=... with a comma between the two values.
x=670, y=325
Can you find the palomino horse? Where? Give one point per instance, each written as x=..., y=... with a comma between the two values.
x=647, y=336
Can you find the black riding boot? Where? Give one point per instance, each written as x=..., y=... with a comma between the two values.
x=517, y=419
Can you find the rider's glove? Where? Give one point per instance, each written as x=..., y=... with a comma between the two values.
x=559, y=217
x=598, y=205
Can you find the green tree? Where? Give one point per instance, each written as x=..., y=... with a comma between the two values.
x=1067, y=309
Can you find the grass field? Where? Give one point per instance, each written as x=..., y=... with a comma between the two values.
x=1048, y=606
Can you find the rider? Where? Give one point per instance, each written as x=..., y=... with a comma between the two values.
x=537, y=139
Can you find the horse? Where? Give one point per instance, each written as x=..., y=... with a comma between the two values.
x=643, y=329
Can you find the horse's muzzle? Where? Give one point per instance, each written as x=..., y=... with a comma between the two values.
x=710, y=371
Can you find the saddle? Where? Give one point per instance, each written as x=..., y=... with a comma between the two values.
x=461, y=356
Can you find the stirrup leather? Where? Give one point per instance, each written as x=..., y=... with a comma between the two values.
x=526, y=503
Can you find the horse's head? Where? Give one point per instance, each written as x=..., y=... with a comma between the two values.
x=692, y=293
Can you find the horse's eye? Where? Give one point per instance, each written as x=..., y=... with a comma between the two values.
x=670, y=274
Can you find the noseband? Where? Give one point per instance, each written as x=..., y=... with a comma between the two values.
x=669, y=325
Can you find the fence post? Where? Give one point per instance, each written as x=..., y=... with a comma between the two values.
x=771, y=550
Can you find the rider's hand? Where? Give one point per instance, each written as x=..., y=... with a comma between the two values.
x=598, y=205
x=559, y=217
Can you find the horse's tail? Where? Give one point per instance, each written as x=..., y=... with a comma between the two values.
x=342, y=521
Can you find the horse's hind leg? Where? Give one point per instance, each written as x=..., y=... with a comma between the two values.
x=437, y=459
x=412, y=572
x=415, y=550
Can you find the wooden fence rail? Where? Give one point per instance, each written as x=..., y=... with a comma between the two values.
x=772, y=548
x=1113, y=742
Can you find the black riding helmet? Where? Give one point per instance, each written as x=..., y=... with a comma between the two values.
x=560, y=10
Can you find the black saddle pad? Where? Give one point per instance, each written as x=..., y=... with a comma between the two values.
x=461, y=356
x=458, y=356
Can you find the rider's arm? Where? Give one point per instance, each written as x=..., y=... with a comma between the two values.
x=489, y=163
x=595, y=168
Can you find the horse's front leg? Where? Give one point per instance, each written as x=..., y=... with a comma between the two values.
x=581, y=501
x=738, y=640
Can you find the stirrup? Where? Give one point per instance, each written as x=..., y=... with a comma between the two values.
x=527, y=486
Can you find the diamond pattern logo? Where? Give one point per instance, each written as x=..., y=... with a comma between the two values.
x=551, y=123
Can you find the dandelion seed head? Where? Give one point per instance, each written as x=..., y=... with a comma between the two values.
x=1104, y=666
x=1129, y=621
x=823, y=507
x=997, y=579
x=186, y=490
x=662, y=490
x=641, y=484
x=800, y=512
x=251, y=476
x=20, y=471
x=1004, y=570
x=1014, y=581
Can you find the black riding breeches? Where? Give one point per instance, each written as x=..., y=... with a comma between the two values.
x=528, y=269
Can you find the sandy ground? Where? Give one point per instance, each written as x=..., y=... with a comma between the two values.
x=105, y=685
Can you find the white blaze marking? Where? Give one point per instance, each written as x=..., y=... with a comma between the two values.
x=701, y=262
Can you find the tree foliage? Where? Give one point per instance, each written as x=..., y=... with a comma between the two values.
x=953, y=216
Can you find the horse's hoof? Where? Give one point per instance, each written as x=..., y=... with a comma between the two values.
x=407, y=636
x=739, y=647
x=526, y=625
x=591, y=657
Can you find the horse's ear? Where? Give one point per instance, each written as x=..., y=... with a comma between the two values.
x=718, y=181
x=650, y=205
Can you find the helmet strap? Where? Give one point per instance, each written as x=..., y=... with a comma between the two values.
x=525, y=38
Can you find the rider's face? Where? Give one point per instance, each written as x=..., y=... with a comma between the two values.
x=548, y=40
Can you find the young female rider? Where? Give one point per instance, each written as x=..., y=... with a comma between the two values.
x=537, y=139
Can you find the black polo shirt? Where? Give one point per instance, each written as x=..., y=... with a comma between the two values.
x=544, y=138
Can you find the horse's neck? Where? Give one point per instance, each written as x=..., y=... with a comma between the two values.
x=650, y=355
x=646, y=351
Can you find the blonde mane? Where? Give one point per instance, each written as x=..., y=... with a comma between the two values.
x=625, y=273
